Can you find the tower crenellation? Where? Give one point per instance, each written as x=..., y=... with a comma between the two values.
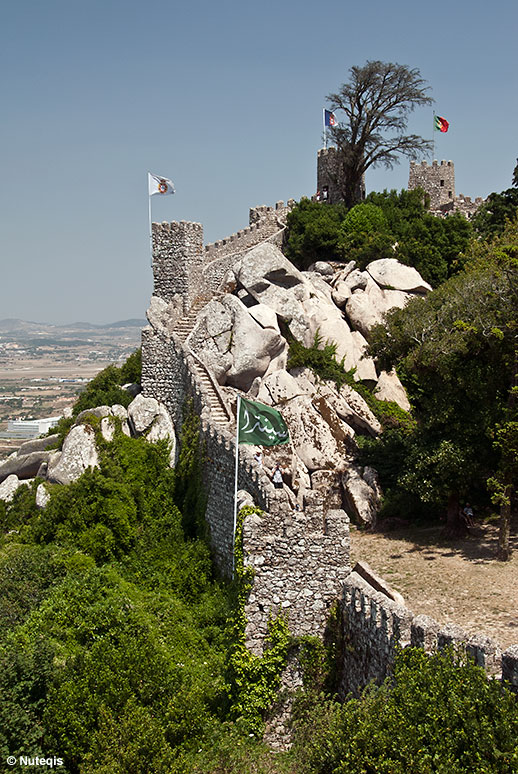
x=438, y=180
x=177, y=262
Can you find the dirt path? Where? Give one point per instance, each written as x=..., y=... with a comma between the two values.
x=454, y=582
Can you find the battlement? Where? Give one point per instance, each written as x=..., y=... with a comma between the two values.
x=438, y=180
x=433, y=165
x=375, y=626
x=177, y=261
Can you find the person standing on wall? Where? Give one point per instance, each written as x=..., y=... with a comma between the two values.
x=277, y=477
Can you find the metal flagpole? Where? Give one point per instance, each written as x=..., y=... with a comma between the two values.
x=235, y=486
x=325, y=130
x=150, y=225
x=433, y=137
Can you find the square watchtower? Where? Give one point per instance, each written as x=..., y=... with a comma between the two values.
x=177, y=263
x=437, y=180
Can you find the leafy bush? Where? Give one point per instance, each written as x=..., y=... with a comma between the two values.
x=105, y=388
x=386, y=225
x=438, y=713
x=314, y=233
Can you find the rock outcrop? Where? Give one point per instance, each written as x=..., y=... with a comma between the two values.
x=79, y=453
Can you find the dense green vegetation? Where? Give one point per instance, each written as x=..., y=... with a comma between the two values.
x=105, y=389
x=386, y=225
x=456, y=352
x=122, y=651
x=437, y=714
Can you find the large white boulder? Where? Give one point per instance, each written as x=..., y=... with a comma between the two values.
x=23, y=466
x=390, y=388
x=265, y=316
x=363, y=313
x=163, y=429
x=141, y=413
x=78, y=454
x=8, y=487
x=390, y=273
x=278, y=388
x=252, y=347
x=362, y=494
x=316, y=442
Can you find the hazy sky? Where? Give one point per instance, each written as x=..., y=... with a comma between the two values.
x=224, y=98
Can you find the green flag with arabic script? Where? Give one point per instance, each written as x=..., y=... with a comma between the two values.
x=261, y=425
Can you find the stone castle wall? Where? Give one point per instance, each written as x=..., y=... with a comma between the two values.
x=331, y=176
x=438, y=180
x=300, y=558
x=372, y=626
x=177, y=262
x=267, y=224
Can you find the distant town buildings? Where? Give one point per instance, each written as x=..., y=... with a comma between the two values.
x=28, y=428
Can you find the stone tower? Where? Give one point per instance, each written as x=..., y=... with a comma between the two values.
x=438, y=180
x=178, y=262
x=330, y=175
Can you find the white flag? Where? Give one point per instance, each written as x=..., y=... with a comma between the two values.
x=159, y=185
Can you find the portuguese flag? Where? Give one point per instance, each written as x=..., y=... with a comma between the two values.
x=440, y=124
x=261, y=425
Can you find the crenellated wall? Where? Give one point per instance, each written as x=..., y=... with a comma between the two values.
x=438, y=180
x=372, y=626
x=266, y=224
x=300, y=558
x=177, y=262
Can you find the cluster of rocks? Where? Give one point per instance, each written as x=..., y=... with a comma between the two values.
x=37, y=459
x=241, y=337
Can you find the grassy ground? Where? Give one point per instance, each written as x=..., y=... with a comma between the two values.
x=456, y=582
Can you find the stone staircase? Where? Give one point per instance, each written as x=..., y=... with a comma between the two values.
x=217, y=406
x=185, y=325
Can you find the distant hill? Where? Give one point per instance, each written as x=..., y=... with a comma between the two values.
x=13, y=325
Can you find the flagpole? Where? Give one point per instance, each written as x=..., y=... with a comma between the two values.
x=150, y=226
x=235, y=486
x=324, y=124
x=433, y=137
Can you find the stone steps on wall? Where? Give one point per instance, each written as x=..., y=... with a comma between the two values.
x=182, y=329
x=217, y=411
x=185, y=325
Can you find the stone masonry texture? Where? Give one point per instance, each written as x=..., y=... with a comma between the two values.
x=300, y=558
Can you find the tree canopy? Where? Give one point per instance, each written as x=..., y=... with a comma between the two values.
x=385, y=225
x=456, y=353
x=375, y=104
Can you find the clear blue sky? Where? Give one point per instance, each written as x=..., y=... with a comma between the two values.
x=224, y=98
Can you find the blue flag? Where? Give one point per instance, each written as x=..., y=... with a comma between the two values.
x=329, y=118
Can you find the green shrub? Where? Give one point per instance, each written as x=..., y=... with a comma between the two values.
x=438, y=713
x=313, y=233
